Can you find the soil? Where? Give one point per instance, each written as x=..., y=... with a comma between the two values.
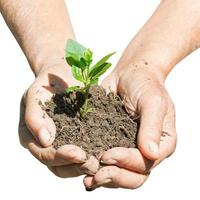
x=107, y=126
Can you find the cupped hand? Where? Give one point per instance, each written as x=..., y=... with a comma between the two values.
x=37, y=131
x=146, y=98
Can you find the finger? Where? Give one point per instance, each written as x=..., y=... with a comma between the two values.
x=45, y=155
x=118, y=176
x=110, y=83
x=91, y=166
x=66, y=171
x=65, y=155
x=72, y=153
x=88, y=181
x=132, y=159
x=167, y=146
x=152, y=110
x=49, y=156
x=39, y=123
x=25, y=136
x=169, y=136
x=128, y=158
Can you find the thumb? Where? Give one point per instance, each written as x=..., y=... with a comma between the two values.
x=152, y=112
x=38, y=122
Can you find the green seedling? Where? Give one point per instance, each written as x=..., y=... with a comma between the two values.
x=80, y=59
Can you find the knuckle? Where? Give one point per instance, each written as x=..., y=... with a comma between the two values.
x=41, y=158
x=49, y=159
x=45, y=158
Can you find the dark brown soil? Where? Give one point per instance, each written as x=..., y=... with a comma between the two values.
x=108, y=126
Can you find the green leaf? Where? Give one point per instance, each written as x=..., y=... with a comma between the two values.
x=94, y=81
x=74, y=54
x=73, y=59
x=98, y=71
x=74, y=47
x=72, y=89
x=76, y=72
x=88, y=56
x=99, y=63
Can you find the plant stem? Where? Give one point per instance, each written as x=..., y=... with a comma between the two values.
x=84, y=74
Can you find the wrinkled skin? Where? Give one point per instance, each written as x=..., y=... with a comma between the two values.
x=145, y=97
x=68, y=160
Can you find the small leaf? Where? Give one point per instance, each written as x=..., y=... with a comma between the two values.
x=99, y=63
x=76, y=72
x=83, y=61
x=72, y=59
x=74, y=47
x=72, y=89
x=98, y=71
x=74, y=53
x=94, y=81
x=88, y=54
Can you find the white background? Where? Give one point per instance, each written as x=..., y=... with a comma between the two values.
x=103, y=26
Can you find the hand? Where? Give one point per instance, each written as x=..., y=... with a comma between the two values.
x=146, y=98
x=37, y=132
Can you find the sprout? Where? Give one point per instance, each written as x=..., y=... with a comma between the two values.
x=80, y=59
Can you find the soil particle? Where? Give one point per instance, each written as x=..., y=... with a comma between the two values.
x=107, y=126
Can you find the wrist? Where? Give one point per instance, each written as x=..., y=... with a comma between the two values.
x=156, y=58
x=141, y=66
x=48, y=54
x=42, y=62
x=55, y=72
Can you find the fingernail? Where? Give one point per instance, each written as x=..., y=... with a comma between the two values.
x=153, y=147
x=109, y=162
x=89, y=189
x=44, y=136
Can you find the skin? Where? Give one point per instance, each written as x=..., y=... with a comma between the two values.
x=27, y=21
x=169, y=36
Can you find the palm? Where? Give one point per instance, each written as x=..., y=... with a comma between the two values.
x=68, y=160
x=145, y=98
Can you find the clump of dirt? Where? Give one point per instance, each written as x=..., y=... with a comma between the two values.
x=107, y=126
